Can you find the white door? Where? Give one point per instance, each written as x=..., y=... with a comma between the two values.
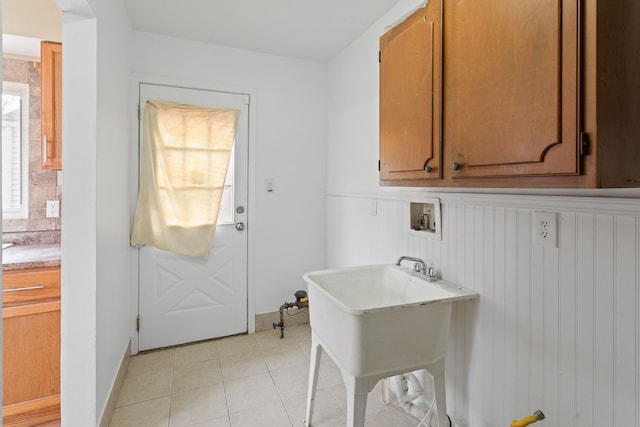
x=184, y=299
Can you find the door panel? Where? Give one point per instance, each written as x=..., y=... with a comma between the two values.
x=184, y=299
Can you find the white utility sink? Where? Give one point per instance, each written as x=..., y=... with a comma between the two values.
x=379, y=321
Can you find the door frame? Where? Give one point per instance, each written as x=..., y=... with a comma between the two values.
x=138, y=79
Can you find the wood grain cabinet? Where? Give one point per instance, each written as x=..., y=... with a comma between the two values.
x=512, y=94
x=410, y=82
x=51, y=105
x=31, y=346
x=511, y=91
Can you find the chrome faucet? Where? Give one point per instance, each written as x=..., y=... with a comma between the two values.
x=418, y=261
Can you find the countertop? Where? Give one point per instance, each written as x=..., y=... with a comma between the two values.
x=20, y=257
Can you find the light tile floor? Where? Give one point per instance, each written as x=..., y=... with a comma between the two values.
x=256, y=380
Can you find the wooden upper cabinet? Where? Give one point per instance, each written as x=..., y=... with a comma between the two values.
x=410, y=98
x=523, y=93
x=511, y=91
x=51, y=105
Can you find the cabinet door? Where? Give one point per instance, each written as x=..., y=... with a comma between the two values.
x=51, y=105
x=511, y=88
x=410, y=97
x=31, y=346
x=31, y=362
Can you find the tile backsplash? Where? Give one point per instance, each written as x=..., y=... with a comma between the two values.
x=43, y=184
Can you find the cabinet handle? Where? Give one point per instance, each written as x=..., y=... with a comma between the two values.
x=428, y=169
x=46, y=154
x=28, y=288
x=455, y=166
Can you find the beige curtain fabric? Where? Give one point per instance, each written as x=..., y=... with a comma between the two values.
x=183, y=164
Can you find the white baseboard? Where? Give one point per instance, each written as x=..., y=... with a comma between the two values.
x=115, y=389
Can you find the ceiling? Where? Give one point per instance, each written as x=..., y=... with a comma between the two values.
x=25, y=23
x=315, y=30
x=39, y=19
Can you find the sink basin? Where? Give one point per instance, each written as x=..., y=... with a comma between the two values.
x=360, y=290
x=378, y=321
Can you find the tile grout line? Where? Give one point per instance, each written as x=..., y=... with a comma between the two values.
x=173, y=370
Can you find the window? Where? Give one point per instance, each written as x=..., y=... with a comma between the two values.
x=15, y=146
x=225, y=215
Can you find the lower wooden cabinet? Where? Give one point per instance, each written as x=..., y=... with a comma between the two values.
x=31, y=348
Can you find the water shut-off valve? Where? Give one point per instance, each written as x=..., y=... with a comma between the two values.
x=302, y=301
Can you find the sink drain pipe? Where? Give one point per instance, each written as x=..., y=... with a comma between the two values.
x=402, y=383
x=406, y=392
x=302, y=301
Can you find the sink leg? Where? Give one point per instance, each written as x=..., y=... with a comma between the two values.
x=314, y=367
x=356, y=409
x=357, y=392
x=441, y=399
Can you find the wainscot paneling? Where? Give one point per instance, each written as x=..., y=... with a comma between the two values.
x=556, y=329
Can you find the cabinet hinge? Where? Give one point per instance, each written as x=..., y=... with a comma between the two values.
x=378, y=165
x=379, y=57
x=138, y=111
x=138, y=324
x=585, y=143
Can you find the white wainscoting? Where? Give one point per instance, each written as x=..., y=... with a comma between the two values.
x=554, y=329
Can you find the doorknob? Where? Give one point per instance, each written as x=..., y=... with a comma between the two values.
x=239, y=226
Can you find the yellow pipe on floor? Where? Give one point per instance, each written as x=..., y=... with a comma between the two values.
x=524, y=422
x=537, y=416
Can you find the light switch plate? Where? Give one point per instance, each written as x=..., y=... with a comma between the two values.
x=270, y=185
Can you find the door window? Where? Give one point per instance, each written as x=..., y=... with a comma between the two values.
x=184, y=162
x=225, y=215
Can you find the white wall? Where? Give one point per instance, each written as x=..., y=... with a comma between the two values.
x=96, y=295
x=555, y=329
x=78, y=352
x=352, y=147
x=288, y=145
x=113, y=261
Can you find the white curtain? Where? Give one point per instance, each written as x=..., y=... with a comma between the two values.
x=184, y=157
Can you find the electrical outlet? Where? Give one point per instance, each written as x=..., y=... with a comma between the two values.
x=53, y=208
x=545, y=229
